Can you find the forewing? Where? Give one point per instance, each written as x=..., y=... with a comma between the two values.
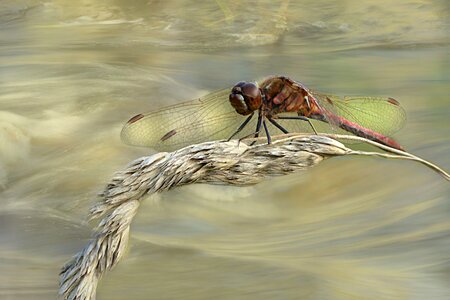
x=208, y=118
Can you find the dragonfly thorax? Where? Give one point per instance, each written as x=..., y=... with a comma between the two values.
x=245, y=97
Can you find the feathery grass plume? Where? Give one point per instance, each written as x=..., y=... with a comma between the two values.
x=219, y=162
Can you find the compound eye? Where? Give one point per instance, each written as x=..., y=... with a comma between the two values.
x=237, y=98
x=238, y=86
x=250, y=89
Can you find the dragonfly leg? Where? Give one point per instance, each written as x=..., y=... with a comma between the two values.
x=312, y=126
x=258, y=127
x=256, y=133
x=241, y=127
x=269, y=140
x=278, y=125
x=258, y=130
x=299, y=118
x=249, y=135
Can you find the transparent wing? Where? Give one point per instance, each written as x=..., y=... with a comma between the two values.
x=207, y=118
x=380, y=114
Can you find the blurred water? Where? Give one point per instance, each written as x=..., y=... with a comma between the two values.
x=72, y=73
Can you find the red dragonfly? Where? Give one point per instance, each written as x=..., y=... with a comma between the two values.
x=278, y=100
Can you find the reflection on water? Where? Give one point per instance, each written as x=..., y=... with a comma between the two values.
x=352, y=228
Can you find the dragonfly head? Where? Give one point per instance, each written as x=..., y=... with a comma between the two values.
x=245, y=97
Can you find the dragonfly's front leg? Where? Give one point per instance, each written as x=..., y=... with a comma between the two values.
x=241, y=127
x=257, y=131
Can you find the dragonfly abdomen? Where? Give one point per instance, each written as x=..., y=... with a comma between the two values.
x=363, y=131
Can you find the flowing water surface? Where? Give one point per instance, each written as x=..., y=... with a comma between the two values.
x=72, y=72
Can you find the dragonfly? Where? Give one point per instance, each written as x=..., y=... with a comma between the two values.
x=277, y=104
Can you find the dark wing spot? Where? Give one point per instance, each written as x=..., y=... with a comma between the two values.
x=168, y=135
x=329, y=100
x=393, y=101
x=135, y=118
